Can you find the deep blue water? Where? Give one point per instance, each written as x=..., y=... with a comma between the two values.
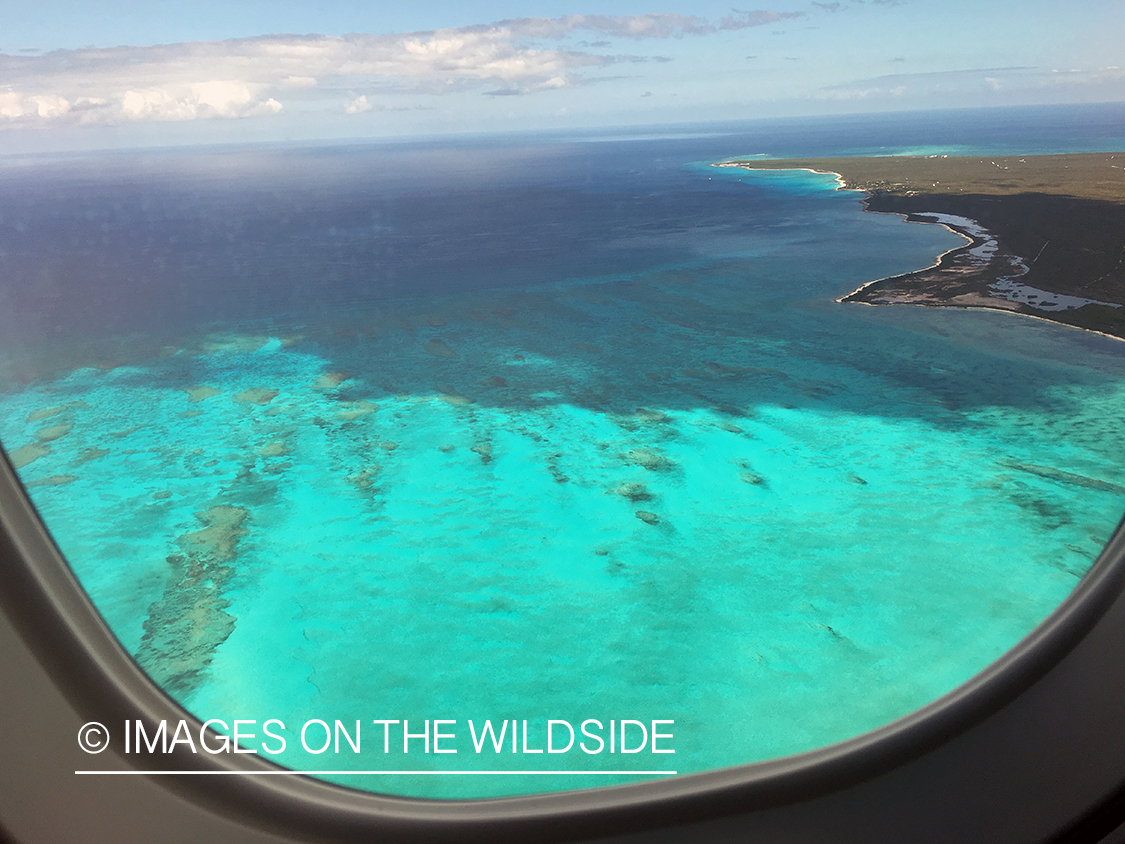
x=128, y=242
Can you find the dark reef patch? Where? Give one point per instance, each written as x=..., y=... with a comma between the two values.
x=54, y=480
x=633, y=491
x=649, y=459
x=1052, y=474
x=27, y=454
x=190, y=621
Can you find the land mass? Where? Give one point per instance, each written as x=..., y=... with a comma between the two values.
x=1046, y=232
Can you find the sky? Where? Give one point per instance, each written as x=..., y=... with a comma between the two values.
x=82, y=74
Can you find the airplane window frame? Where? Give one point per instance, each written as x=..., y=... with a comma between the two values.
x=41, y=596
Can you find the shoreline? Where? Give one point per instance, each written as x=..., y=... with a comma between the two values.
x=1072, y=188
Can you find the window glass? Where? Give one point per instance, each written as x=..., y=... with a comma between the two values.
x=384, y=386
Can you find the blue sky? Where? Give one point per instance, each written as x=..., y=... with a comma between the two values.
x=88, y=74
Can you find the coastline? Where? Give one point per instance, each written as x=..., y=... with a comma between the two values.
x=1043, y=233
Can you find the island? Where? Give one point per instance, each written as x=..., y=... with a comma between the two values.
x=1045, y=234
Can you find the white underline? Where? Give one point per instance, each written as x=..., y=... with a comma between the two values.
x=378, y=773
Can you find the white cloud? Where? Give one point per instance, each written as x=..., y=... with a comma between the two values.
x=653, y=25
x=248, y=77
x=13, y=105
x=1020, y=83
x=358, y=105
x=179, y=102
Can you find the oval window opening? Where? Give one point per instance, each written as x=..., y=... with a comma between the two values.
x=512, y=463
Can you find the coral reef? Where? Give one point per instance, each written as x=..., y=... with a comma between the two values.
x=365, y=478
x=54, y=432
x=189, y=621
x=352, y=410
x=54, y=480
x=46, y=413
x=330, y=380
x=649, y=459
x=90, y=454
x=633, y=491
x=256, y=395
x=199, y=393
x=1059, y=475
x=439, y=349
x=28, y=454
x=484, y=449
x=646, y=415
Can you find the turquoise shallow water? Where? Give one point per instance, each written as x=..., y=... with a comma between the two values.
x=703, y=493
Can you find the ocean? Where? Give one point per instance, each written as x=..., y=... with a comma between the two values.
x=545, y=428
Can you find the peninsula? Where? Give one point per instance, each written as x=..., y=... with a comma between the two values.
x=1046, y=232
